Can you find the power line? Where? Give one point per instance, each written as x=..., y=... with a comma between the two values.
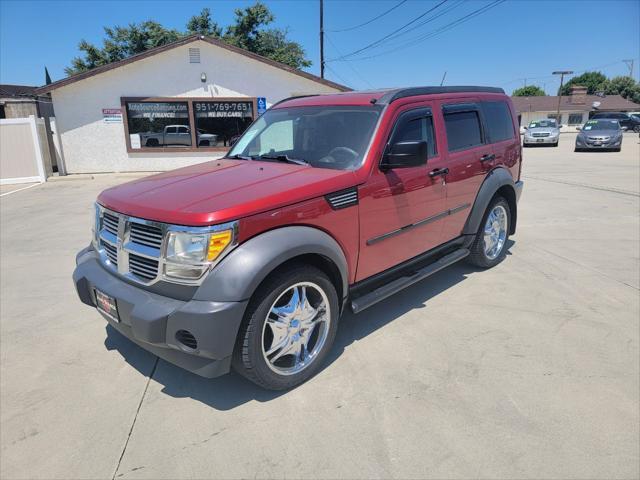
x=370, y=21
x=377, y=42
x=449, y=26
x=348, y=64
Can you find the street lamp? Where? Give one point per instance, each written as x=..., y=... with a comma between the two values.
x=562, y=73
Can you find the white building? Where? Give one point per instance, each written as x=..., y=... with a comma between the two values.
x=171, y=106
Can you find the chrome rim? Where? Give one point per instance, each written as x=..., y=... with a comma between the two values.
x=495, y=232
x=296, y=328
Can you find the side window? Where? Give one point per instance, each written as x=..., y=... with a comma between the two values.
x=183, y=130
x=498, y=121
x=171, y=130
x=463, y=130
x=416, y=126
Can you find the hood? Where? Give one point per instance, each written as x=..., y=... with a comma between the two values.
x=222, y=190
x=549, y=130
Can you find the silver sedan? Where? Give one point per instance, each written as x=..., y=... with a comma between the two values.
x=542, y=132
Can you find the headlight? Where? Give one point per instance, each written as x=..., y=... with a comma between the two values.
x=190, y=254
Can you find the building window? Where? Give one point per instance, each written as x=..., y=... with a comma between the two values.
x=221, y=122
x=158, y=124
x=575, y=119
x=191, y=124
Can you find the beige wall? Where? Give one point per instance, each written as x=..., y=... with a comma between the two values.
x=19, y=109
x=21, y=156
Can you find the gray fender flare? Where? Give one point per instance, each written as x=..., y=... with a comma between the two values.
x=495, y=180
x=238, y=275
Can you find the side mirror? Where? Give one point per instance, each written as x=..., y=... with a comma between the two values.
x=578, y=128
x=525, y=127
x=405, y=155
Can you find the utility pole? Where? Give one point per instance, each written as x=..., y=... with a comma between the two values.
x=562, y=73
x=630, y=65
x=321, y=39
x=443, y=77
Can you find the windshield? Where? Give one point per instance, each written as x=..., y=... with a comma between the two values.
x=602, y=125
x=323, y=136
x=543, y=124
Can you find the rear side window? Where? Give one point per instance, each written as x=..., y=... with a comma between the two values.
x=416, y=126
x=498, y=121
x=463, y=130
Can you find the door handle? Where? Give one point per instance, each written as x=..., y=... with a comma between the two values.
x=488, y=157
x=438, y=171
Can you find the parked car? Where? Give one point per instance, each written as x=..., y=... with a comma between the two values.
x=326, y=203
x=542, y=132
x=177, y=135
x=626, y=120
x=600, y=134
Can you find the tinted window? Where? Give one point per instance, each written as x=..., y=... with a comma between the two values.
x=575, y=119
x=463, y=130
x=414, y=127
x=220, y=122
x=498, y=119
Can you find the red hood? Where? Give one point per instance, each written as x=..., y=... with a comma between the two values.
x=222, y=190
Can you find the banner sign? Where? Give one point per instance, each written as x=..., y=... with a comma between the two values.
x=112, y=115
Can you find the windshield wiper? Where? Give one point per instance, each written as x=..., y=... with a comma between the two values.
x=283, y=158
x=240, y=157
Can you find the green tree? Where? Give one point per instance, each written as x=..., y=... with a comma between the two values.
x=204, y=25
x=248, y=32
x=594, y=81
x=625, y=86
x=529, y=91
x=120, y=43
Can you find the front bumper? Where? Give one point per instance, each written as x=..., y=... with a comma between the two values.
x=601, y=146
x=152, y=320
x=540, y=140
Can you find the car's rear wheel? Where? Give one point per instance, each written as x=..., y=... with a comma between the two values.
x=288, y=329
x=490, y=245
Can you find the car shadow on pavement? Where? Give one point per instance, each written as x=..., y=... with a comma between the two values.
x=229, y=391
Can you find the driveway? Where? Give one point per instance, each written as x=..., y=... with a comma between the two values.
x=528, y=370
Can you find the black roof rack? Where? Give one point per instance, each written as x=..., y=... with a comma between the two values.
x=414, y=91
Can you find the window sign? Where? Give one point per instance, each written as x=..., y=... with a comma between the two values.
x=221, y=123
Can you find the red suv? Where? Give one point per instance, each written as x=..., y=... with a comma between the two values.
x=326, y=202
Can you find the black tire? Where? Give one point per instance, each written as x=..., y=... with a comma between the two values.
x=152, y=142
x=636, y=129
x=555, y=144
x=478, y=257
x=248, y=359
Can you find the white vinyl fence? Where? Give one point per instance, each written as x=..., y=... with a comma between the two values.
x=24, y=153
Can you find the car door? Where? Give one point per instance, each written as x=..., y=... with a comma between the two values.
x=469, y=156
x=399, y=208
x=170, y=135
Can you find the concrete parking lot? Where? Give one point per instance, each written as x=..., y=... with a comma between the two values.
x=528, y=370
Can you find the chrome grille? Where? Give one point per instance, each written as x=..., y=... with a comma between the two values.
x=131, y=246
x=146, y=235
x=143, y=267
x=110, y=223
x=111, y=251
x=537, y=135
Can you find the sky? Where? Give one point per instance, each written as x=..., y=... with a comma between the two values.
x=510, y=44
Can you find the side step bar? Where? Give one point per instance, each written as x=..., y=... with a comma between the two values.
x=368, y=299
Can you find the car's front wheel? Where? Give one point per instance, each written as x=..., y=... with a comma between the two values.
x=636, y=129
x=490, y=245
x=288, y=328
